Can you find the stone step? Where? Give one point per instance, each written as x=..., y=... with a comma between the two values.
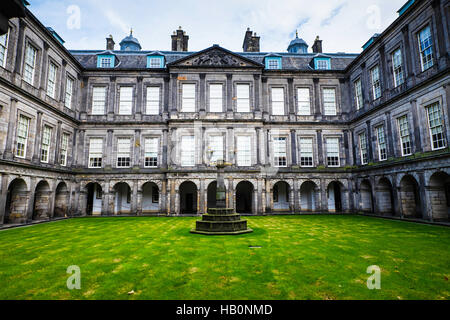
x=221, y=217
x=221, y=211
x=221, y=226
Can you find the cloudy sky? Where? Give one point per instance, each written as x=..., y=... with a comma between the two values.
x=343, y=25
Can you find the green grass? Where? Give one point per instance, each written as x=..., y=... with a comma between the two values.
x=301, y=257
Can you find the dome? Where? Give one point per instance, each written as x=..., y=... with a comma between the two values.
x=298, y=45
x=130, y=43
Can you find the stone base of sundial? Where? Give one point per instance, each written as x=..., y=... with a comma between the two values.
x=221, y=221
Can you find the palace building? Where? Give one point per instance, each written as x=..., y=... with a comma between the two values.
x=125, y=131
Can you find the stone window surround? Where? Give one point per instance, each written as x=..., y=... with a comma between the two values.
x=58, y=83
x=69, y=147
x=87, y=144
x=358, y=145
x=251, y=95
x=280, y=134
x=90, y=96
x=146, y=85
x=427, y=134
x=375, y=151
x=390, y=63
x=224, y=95
x=114, y=149
x=142, y=147
x=207, y=140
x=252, y=136
x=68, y=75
x=117, y=98
x=396, y=129
x=311, y=98
x=180, y=132
x=37, y=65
x=52, y=146
x=179, y=95
x=336, y=87
x=353, y=86
x=285, y=93
x=429, y=21
x=340, y=138
x=314, y=145
x=31, y=130
x=370, y=67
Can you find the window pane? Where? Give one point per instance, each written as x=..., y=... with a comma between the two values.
x=329, y=102
x=123, y=152
x=279, y=151
x=436, y=126
x=153, y=100
x=151, y=152
x=95, y=152
x=243, y=98
x=243, y=147
x=332, y=145
x=98, y=100
x=187, y=151
x=306, y=152
x=278, y=101
x=216, y=147
x=304, y=102
x=188, y=98
x=215, y=98
x=126, y=100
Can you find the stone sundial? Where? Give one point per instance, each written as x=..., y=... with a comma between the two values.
x=221, y=220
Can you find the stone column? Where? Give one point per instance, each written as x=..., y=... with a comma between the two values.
x=296, y=197
x=319, y=147
x=256, y=78
x=323, y=196
x=317, y=108
x=294, y=147
x=164, y=149
x=269, y=196
x=441, y=40
x=173, y=100
x=258, y=148
x=3, y=195
x=426, y=214
x=267, y=157
x=81, y=151
x=163, y=197
x=202, y=193
x=139, y=105
x=44, y=69
x=111, y=98
x=346, y=148
x=389, y=136
x=166, y=95
x=291, y=104
x=9, y=148
x=137, y=149
x=369, y=141
x=409, y=61
x=416, y=127
x=383, y=70
x=109, y=149
x=57, y=143
x=134, y=197
x=63, y=82
x=20, y=46
x=230, y=141
x=229, y=93
x=202, y=102
x=351, y=204
x=30, y=205
x=84, y=98
x=173, y=197
x=37, y=139
x=265, y=94
x=260, y=208
x=138, y=200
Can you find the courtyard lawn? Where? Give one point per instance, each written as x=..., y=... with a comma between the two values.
x=300, y=257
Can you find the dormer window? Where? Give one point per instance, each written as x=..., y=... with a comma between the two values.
x=322, y=63
x=156, y=62
x=273, y=63
x=105, y=61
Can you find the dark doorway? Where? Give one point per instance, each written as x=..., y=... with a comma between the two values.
x=188, y=198
x=244, y=197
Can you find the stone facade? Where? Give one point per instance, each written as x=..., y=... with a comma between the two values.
x=377, y=179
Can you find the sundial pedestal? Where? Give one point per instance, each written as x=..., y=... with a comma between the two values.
x=221, y=220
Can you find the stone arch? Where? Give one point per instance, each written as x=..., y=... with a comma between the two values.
x=409, y=197
x=385, y=197
x=42, y=201
x=188, y=192
x=244, y=197
x=439, y=196
x=335, y=191
x=178, y=183
x=281, y=196
x=211, y=194
x=16, y=202
x=309, y=196
x=61, y=200
x=122, y=198
x=150, y=197
x=92, y=198
x=365, y=196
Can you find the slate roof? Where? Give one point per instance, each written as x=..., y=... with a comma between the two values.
x=138, y=59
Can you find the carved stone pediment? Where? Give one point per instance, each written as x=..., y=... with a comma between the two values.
x=216, y=58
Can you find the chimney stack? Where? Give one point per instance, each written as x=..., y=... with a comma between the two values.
x=251, y=42
x=317, y=46
x=180, y=40
x=110, y=43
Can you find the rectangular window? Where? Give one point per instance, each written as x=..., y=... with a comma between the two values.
x=64, y=148
x=376, y=87
x=98, y=100
x=329, y=102
x=51, y=81
x=216, y=148
x=215, y=98
x=405, y=140
x=155, y=62
x=123, y=152
x=322, y=64
x=278, y=101
x=153, y=100
x=398, y=68
x=304, y=102
x=273, y=64
x=363, y=147
x=95, y=152
x=279, y=151
x=381, y=139
x=242, y=98
x=22, y=136
x=4, y=38
x=69, y=92
x=125, y=100
x=187, y=151
x=30, y=64
x=105, y=62
x=188, y=98
x=243, y=148
x=306, y=152
x=45, y=145
x=358, y=94
x=332, y=145
x=426, y=48
x=151, y=152
x=436, y=126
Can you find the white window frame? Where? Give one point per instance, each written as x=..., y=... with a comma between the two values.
x=278, y=103
x=439, y=125
x=426, y=58
x=306, y=152
x=95, y=156
x=358, y=94
x=332, y=153
x=4, y=48
x=280, y=151
x=51, y=80
x=29, y=64
x=381, y=143
x=69, y=92
x=64, y=149
x=397, y=67
x=215, y=146
x=273, y=64
x=187, y=151
x=98, y=100
x=405, y=135
x=304, y=101
x=125, y=100
x=151, y=148
x=153, y=100
x=155, y=63
x=243, y=151
x=23, y=128
x=376, y=84
x=123, y=155
x=45, y=143
x=105, y=62
x=363, y=148
x=216, y=97
x=243, y=97
x=329, y=106
x=188, y=97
